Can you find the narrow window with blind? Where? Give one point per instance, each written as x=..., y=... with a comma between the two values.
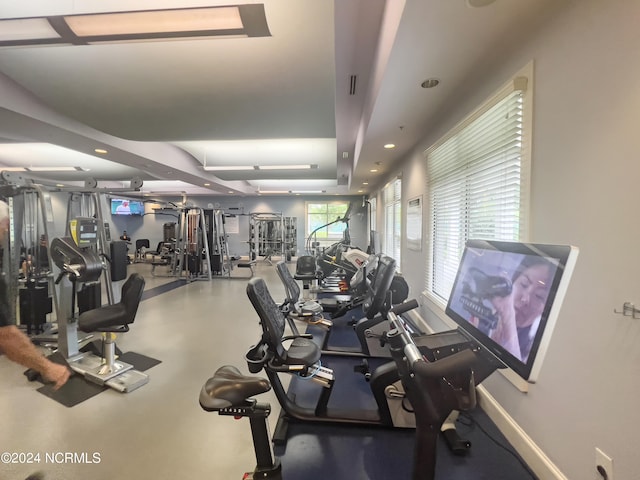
x=392, y=194
x=477, y=184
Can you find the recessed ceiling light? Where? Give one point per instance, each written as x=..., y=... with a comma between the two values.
x=360, y=191
x=365, y=183
x=230, y=191
x=373, y=170
x=389, y=145
x=100, y=150
x=430, y=83
x=207, y=184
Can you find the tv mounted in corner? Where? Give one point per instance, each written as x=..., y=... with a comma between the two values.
x=508, y=295
x=124, y=206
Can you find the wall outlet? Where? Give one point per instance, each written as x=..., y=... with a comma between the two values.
x=604, y=465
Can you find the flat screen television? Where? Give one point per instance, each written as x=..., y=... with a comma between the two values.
x=508, y=295
x=124, y=206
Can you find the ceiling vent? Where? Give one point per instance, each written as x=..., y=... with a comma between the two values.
x=352, y=85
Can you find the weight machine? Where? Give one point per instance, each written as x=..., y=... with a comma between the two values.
x=25, y=259
x=272, y=234
x=217, y=234
x=192, y=256
x=80, y=263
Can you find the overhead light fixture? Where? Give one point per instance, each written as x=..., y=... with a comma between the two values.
x=365, y=183
x=272, y=191
x=167, y=24
x=223, y=168
x=207, y=184
x=101, y=151
x=56, y=169
x=13, y=169
x=231, y=168
x=389, y=145
x=298, y=192
x=285, y=167
x=373, y=170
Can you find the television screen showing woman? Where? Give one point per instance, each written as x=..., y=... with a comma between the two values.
x=504, y=295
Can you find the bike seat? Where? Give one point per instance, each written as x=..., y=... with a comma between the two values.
x=228, y=388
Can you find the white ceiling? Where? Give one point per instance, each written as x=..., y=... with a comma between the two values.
x=164, y=109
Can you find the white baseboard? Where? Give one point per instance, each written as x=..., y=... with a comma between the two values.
x=539, y=463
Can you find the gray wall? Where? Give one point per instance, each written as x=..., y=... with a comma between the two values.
x=150, y=226
x=584, y=192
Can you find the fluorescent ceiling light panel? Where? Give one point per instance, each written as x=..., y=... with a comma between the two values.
x=56, y=169
x=222, y=168
x=284, y=167
x=26, y=28
x=159, y=21
x=246, y=20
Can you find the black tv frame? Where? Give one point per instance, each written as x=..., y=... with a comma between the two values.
x=495, y=258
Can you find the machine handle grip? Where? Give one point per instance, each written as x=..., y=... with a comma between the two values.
x=400, y=308
x=452, y=364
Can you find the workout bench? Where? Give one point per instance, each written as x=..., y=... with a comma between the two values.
x=247, y=263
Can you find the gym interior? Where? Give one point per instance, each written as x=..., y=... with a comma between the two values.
x=210, y=266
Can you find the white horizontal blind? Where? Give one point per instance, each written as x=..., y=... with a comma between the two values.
x=393, y=226
x=373, y=213
x=475, y=186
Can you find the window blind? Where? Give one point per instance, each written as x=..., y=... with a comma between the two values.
x=476, y=184
x=393, y=226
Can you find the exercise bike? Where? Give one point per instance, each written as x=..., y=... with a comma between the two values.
x=433, y=388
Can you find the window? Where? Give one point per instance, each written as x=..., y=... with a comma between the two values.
x=392, y=225
x=478, y=183
x=373, y=213
x=321, y=221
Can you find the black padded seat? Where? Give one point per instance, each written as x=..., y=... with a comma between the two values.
x=228, y=388
x=116, y=317
x=302, y=351
x=308, y=307
x=306, y=268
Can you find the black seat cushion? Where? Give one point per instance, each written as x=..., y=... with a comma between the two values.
x=103, y=318
x=228, y=387
x=302, y=351
x=116, y=317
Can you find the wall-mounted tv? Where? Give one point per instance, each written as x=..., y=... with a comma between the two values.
x=124, y=206
x=508, y=295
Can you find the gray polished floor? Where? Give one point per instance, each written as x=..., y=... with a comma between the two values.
x=158, y=431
